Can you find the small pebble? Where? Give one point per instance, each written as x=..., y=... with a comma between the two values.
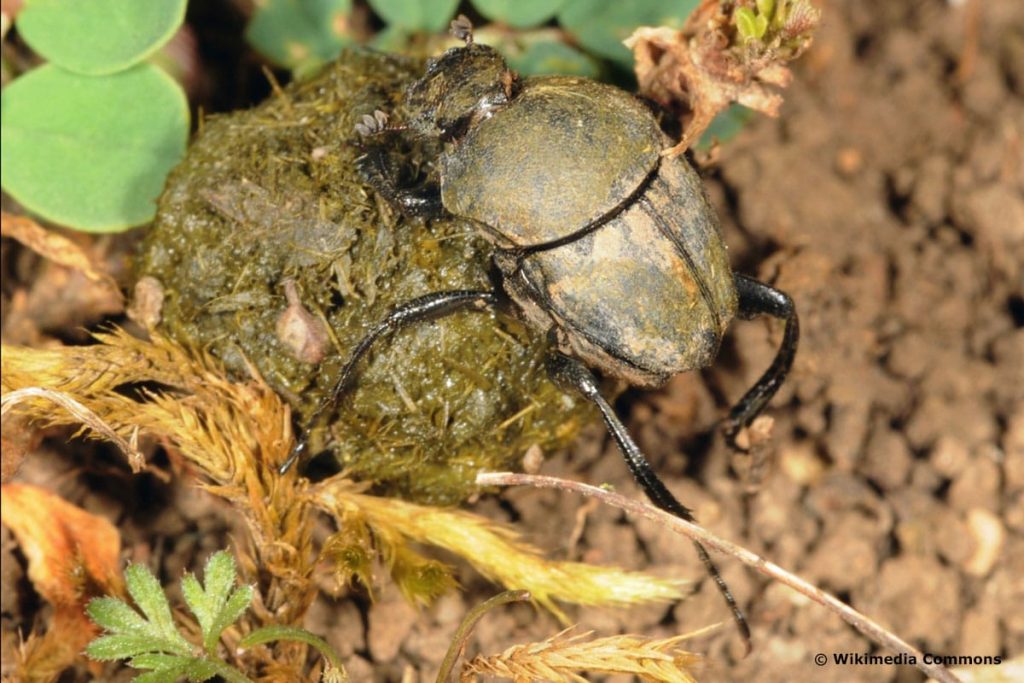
x=989, y=536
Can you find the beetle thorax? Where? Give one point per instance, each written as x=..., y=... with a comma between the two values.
x=462, y=87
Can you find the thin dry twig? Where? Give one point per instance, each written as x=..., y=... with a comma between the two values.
x=458, y=644
x=136, y=460
x=870, y=628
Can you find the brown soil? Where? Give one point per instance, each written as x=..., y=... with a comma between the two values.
x=888, y=200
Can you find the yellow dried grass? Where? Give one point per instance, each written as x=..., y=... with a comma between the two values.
x=236, y=434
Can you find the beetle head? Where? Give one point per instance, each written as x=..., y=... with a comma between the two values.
x=463, y=86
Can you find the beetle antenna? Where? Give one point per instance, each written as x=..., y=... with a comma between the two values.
x=462, y=29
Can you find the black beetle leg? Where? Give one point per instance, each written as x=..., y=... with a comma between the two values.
x=373, y=167
x=570, y=372
x=422, y=201
x=757, y=298
x=422, y=308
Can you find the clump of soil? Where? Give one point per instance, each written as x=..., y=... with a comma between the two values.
x=273, y=254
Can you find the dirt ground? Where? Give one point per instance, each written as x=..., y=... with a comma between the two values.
x=888, y=200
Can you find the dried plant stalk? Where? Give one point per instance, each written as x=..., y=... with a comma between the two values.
x=862, y=623
x=81, y=414
x=562, y=656
x=237, y=434
x=495, y=551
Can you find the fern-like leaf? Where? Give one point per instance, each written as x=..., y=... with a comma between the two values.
x=218, y=606
x=152, y=641
x=129, y=633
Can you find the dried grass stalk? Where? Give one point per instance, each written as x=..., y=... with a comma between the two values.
x=562, y=656
x=495, y=551
x=236, y=434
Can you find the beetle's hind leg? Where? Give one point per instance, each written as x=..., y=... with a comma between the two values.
x=375, y=169
x=572, y=373
x=757, y=298
x=430, y=306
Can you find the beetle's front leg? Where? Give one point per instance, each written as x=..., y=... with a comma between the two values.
x=430, y=306
x=757, y=298
x=572, y=373
x=373, y=166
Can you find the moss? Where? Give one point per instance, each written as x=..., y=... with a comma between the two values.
x=271, y=194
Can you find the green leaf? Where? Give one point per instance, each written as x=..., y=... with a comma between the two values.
x=99, y=36
x=762, y=25
x=114, y=615
x=725, y=126
x=123, y=646
x=130, y=634
x=299, y=34
x=746, y=23
x=216, y=607
x=172, y=668
x=391, y=39
x=149, y=596
x=91, y=152
x=765, y=8
x=154, y=643
x=519, y=13
x=161, y=676
x=219, y=575
x=233, y=608
x=431, y=16
x=601, y=26
x=552, y=57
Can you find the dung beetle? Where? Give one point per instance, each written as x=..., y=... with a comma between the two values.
x=609, y=248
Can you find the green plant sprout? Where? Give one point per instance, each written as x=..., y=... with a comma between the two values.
x=770, y=20
x=151, y=640
x=751, y=25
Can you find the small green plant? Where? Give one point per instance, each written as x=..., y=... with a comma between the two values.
x=777, y=22
x=303, y=34
x=88, y=139
x=753, y=25
x=151, y=640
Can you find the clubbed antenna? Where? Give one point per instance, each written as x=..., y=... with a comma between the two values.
x=372, y=125
x=462, y=29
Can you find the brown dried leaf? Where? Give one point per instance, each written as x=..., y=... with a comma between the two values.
x=700, y=70
x=73, y=556
x=56, y=248
x=18, y=437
